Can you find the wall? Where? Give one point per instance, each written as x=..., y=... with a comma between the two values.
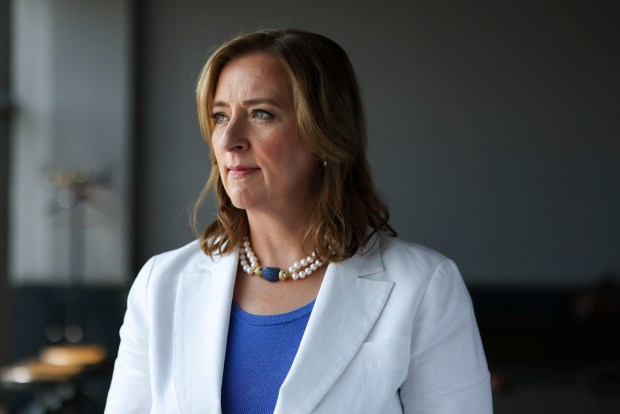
x=4, y=171
x=71, y=66
x=494, y=128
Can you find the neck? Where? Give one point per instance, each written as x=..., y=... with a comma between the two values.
x=278, y=241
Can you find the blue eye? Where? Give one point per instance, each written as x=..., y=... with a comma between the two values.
x=260, y=114
x=219, y=117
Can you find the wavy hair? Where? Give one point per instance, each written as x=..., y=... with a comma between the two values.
x=331, y=124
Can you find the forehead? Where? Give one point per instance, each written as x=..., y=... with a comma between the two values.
x=255, y=73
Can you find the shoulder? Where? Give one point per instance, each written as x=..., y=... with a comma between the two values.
x=401, y=257
x=185, y=257
x=396, y=249
x=159, y=278
x=417, y=271
x=166, y=267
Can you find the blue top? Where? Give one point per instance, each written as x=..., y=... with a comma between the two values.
x=259, y=353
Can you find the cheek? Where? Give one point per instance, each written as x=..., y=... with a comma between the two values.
x=290, y=151
x=302, y=166
x=220, y=164
x=216, y=149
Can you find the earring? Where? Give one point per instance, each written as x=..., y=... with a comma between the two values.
x=324, y=163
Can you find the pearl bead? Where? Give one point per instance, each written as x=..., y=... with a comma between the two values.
x=299, y=270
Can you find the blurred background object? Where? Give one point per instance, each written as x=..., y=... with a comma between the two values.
x=70, y=116
x=4, y=193
x=494, y=134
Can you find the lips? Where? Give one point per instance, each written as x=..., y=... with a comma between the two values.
x=240, y=171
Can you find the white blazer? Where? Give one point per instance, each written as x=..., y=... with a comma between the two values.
x=392, y=331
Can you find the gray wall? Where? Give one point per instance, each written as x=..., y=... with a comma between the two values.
x=494, y=126
x=71, y=65
x=4, y=171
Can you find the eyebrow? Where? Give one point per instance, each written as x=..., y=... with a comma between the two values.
x=249, y=102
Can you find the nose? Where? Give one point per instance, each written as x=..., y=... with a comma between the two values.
x=234, y=136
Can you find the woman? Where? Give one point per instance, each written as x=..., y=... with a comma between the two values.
x=298, y=298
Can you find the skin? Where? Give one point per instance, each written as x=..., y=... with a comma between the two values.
x=266, y=171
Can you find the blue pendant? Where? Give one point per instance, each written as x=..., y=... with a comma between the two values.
x=271, y=273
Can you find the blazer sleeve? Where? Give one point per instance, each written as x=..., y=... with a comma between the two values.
x=448, y=372
x=130, y=391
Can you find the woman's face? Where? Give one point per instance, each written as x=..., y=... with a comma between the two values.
x=262, y=164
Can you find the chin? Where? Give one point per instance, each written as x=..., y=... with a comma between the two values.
x=244, y=198
x=240, y=206
x=242, y=203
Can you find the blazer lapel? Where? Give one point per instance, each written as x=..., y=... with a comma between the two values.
x=344, y=312
x=202, y=313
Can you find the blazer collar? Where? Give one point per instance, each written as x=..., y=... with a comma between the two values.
x=345, y=310
x=202, y=313
x=344, y=313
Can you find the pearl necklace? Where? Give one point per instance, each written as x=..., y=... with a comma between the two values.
x=298, y=270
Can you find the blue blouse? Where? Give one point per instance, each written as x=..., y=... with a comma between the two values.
x=259, y=353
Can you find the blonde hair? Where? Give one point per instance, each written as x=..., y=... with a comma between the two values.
x=331, y=124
